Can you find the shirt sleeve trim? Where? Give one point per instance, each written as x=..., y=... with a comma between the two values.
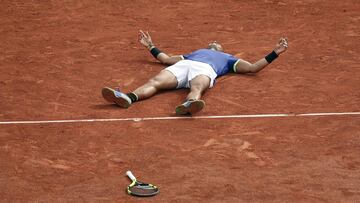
x=234, y=66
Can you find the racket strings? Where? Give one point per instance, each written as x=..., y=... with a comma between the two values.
x=143, y=189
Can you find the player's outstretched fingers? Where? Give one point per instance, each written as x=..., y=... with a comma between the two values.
x=145, y=39
x=284, y=42
x=281, y=46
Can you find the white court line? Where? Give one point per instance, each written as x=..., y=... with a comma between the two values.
x=180, y=118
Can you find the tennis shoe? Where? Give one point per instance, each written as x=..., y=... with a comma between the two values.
x=117, y=97
x=190, y=107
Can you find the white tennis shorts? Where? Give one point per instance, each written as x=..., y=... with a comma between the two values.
x=186, y=70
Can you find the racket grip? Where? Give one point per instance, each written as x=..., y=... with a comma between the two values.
x=130, y=175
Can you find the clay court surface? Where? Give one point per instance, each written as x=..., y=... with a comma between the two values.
x=55, y=56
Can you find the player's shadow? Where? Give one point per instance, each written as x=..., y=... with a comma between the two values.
x=232, y=76
x=104, y=106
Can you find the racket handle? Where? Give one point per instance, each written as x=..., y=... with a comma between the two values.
x=130, y=175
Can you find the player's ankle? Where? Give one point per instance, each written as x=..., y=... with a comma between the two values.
x=133, y=97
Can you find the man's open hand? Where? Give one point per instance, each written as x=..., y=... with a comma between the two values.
x=281, y=46
x=145, y=39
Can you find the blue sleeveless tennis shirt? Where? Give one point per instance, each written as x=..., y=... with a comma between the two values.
x=221, y=62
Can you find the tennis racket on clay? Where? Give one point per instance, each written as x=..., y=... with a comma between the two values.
x=140, y=189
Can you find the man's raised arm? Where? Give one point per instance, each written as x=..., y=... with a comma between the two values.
x=243, y=66
x=145, y=40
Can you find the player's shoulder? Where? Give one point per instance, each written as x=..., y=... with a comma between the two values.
x=202, y=50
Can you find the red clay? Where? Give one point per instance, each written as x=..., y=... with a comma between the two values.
x=56, y=56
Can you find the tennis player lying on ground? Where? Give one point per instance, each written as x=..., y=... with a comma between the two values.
x=196, y=71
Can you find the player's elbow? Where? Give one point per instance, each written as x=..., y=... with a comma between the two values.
x=253, y=69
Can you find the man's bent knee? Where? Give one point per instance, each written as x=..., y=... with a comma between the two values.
x=154, y=82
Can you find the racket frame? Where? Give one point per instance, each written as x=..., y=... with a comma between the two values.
x=135, y=182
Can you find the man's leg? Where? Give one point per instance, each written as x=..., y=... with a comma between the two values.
x=198, y=85
x=193, y=104
x=164, y=80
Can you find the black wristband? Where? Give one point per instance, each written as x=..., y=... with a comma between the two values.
x=155, y=52
x=270, y=57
